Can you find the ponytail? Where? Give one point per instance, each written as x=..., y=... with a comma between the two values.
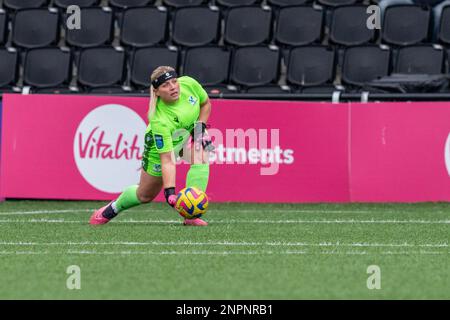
x=152, y=104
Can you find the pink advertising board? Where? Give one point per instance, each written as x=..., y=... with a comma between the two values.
x=400, y=152
x=83, y=147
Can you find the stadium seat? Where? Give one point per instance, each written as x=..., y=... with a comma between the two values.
x=143, y=27
x=444, y=27
x=349, y=26
x=285, y=3
x=310, y=66
x=422, y=59
x=182, y=3
x=3, y=26
x=364, y=64
x=24, y=4
x=81, y=3
x=209, y=65
x=145, y=60
x=448, y=61
x=196, y=26
x=248, y=26
x=34, y=28
x=47, y=67
x=299, y=26
x=336, y=3
x=405, y=24
x=255, y=66
x=236, y=3
x=124, y=4
x=101, y=67
x=96, y=28
x=9, y=59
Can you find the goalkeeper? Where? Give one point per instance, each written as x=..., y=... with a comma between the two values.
x=179, y=109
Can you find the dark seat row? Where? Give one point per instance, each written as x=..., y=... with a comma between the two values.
x=244, y=26
x=215, y=67
x=123, y=4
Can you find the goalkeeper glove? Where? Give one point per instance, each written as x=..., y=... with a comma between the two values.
x=171, y=198
x=201, y=137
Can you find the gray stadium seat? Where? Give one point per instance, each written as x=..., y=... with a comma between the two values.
x=236, y=3
x=285, y=3
x=336, y=3
x=24, y=4
x=405, y=24
x=255, y=66
x=299, y=25
x=101, y=67
x=145, y=60
x=311, y=66
x=349, y=26
x=143, y=27
x=444, y=26
x=9, y=59
x=209, y=65
x=81, y=3
x=96, y=29
x=421, y=59
x=33, y=28
x=124, y=4
x=3, y=26
x=364, y=64
x=248, y=26
x=196, y=26
x=47, y=67
x=182, y=3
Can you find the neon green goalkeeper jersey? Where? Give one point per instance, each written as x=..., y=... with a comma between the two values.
x=171, y=124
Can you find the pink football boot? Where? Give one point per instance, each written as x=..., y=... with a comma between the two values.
x=195, y=222
x=97, y=218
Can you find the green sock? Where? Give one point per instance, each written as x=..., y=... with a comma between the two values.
x=198, y=176
x=128, y=199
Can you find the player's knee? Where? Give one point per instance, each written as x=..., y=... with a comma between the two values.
x=201, y=157
x=144, y=198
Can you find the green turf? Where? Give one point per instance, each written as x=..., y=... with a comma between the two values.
x=249, y=251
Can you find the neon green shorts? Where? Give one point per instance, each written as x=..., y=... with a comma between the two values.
x=151, y=162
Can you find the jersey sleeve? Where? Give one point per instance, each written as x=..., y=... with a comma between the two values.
x=199, y=91
x=161, y=136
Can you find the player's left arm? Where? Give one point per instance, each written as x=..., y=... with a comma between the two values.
x=205, y=111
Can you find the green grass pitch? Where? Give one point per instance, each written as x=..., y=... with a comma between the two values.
x=249, y=251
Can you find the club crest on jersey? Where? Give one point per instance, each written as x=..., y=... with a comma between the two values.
x=159, y=141
x=192, y=100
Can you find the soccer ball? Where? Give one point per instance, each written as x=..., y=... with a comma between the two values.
x=191, y=203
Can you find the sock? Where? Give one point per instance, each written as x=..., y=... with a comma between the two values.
x=128, y=199
x=198, y=176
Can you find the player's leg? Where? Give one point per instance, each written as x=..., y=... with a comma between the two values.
x=149, y=186
x=197, y=176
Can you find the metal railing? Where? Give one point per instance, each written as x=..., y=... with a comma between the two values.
x=334, y=97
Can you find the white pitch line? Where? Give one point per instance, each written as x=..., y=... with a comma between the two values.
x=258, y=221
x=118, y=253
x=231, y=244
x=149, y=211
x=45, y=212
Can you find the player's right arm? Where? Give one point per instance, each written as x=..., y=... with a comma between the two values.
x=164, y=146
x=168, y=169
